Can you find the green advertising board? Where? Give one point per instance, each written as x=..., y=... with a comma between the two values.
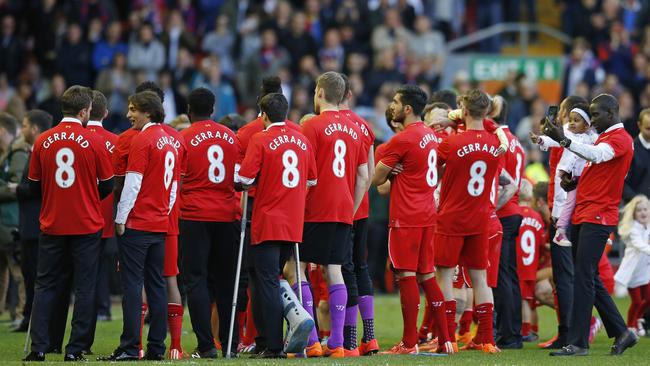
x=484, y=68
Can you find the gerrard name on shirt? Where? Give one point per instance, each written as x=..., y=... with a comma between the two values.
x=476, y=147
x=333, y=127
x=200, y=137
x=168, y=140
x=428, y=138
x=284, y=139
x=78, y=138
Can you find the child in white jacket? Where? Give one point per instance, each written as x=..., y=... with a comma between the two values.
x=634, y=271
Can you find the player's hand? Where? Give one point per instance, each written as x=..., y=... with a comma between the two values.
x=119, y=229
x=502, y=149
x=397, y=169
x=568, y=183
x=534, y=138
x=552, y=130
x=554, y=221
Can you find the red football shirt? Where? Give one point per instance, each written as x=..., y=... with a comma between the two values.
x=555, y=153
x=208, y=189
x=110, y=139
x=68, y=160
x=368, y=139
x=121, y=153
x=412, y=203
x=181, y=149
x=601, y=185
x=380, y=151
x=153, y=154
x=247, y=132
x=532, y=236
x=514, y=165
x=339, y=151
x=471, y=166
x=281, y=162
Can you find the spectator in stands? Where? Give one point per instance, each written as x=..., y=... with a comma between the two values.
x=52, y=105
x=105, y=50
x=175, y=37
x=10, y=48
x=637, y=180
x=426, y=42
x=385, y=35
x=116, y=83
x=581, y=66
x=616, y=55
x=6, y=91
x=298, y=42
x=146, y=53
x=221, y=42
x=210, y=78
x=73, y=59
x=332, y=55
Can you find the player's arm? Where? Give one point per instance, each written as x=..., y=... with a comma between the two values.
x=507, y=188
x=382, y=172
x=503, y=140
x=371, y=166
x=132, y=185
x=384, y=189
x=360, y=185
x=595, y=153
x=250, y=167
x=105, y=187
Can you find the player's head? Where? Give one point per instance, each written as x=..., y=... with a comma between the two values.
x=499, y=110
x=644, y=124
x=408, y=103
x=8, y=130
x=100, y=106
x=145, y=107
x=330, y=87
x=432, y=110
x=274, y=108
x=200, y=104
x=446, y=96
x=540, y=200
x=604, y=112
x=638, y=209
x=151, y=86
x=525, y=192
x=270, y=84
x=394, y=126
x=233, y=121
x=475, y=104
x=77, y=102
x=567, y=105
x=347, y=93
x=34, y=123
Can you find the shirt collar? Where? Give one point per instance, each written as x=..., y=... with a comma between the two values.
x=71, y=120
x=275, y=124
x=644, y=142
x=614, y=127
x=149, y=124
x=95, y=123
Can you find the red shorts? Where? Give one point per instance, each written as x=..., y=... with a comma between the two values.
x=495, y=236
x=318, y=284
x=411, y=248
x=462, y=278
x=471, y=251
x=171, y=256
x=527, y=288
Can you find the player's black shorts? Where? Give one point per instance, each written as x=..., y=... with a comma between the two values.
x=325, y=242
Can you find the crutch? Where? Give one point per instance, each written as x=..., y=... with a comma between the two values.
x=239, y=259
x=29, y=332
x=296, y=255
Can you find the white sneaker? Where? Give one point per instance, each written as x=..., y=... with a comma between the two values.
x=300, y=322
x=640, y=327
x=561, y=238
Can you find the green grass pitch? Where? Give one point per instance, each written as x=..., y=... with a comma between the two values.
x=389, y=329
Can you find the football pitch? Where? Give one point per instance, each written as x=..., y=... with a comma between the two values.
x=389, y=329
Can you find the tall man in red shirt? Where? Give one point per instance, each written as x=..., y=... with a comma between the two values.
x=280, y=161
x=142, y=222
x=596, y=215
x=66, y=165
x=209, y=226
x=412, y=215
x=330, y=208
x=470, y=160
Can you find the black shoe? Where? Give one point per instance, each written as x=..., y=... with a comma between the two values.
x=513, y=345
x=624, y=341
x=117, y=356
x=35, y=357
x=150, y=356
x=22, y=328
x=74, y=357
x=87, y=352
x=211, y=353
x=232, y=354
x=54, y=350
x=269, y=354
x=571, y=350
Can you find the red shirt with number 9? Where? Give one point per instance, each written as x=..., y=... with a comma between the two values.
x=532, y=235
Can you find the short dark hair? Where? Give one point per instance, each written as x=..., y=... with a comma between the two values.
x=414, y=96
x=40, y=119
x=429, y=107
x=573, y=100
x=100, y=105
x=540, y=191
x=477, y=103
x=74, y=99
x=607, y=102
x=151, y=86
x=346, y=80
x=148, y=102
x=270, y=84
x=9, y=123
x=389, y=118
x=201, y=102
x=446, y=96
x=275, y=106
x=233, y=121
x=333, y=86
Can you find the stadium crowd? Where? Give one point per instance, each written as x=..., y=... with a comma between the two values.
x=301, y=53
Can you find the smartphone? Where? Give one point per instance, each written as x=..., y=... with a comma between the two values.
x=552, y=112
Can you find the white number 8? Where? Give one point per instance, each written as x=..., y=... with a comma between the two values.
x=169, y=169
x=528, y=247
x=432, y=173
x=64, y=167
x=216, y=163
x=290, y=174
x=476, y=183
x=338, y=165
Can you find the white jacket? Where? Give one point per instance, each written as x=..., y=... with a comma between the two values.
x=634, y=270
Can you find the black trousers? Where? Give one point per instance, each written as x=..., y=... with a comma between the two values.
x=378, y=252
x=102, y=296
x=269, y=258
x=141, y=262
x=562, y=263
x=355, y=269
x=29, y=265
x=588, y=245
x=210, y=249
x=507, y=295
x=82, y=252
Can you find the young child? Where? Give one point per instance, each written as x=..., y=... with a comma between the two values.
x=634, y=271
x=570, y=166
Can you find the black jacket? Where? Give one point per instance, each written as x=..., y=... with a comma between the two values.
x=30, y=207
x=638, y=177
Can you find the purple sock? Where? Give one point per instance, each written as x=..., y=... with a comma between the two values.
x=366, y=307
x=351, y=315
x=338, y=298
x=308, y=304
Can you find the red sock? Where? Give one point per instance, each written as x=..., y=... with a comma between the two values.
x=436, y=300
x=534, y=328
x=450, y=312
x=410, y=299
x=324, y=333
x=485, y=332
x=466, y=321
x=525, y=329
x=175, y=322
x=427, y=319
x=143, y=312
x=241, y=321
